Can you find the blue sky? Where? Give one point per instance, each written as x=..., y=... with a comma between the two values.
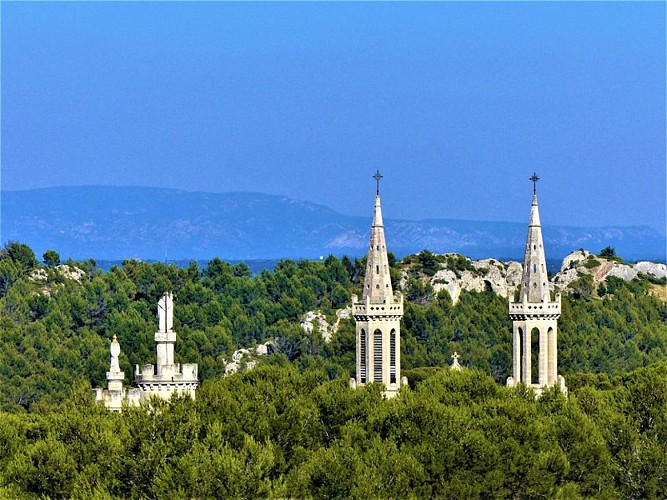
x=457, y=103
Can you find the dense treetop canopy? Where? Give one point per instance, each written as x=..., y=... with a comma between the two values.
x=292, y=426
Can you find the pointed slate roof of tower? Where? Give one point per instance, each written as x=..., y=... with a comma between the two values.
x=377, y=283
x=534, y=281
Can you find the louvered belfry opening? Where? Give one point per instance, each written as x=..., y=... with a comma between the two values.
x=377, y=356
x=392, y=357
x=363, y=354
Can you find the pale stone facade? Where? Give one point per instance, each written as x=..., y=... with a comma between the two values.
x=378, y=317
x=114, y=396
x=162, y=379
x=535, y=314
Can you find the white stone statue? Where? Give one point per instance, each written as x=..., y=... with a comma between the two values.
x=114, y=367
x=165, y=312
x=455, y=363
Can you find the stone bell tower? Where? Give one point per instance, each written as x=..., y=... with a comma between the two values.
x=535, y=314
x=378, y=315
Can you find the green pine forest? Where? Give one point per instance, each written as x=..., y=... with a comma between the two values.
x=291, y=427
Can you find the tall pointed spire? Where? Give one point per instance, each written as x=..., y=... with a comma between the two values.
x=377, y=283
x=534, y=281
x=378, y=314
x=535, y=315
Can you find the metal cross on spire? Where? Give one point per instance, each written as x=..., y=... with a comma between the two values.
x=534, y=178
x=377, y=178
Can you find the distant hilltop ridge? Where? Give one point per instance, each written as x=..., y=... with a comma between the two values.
x=152, y=223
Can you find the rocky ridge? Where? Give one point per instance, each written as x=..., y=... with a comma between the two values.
x=65, y=271
x=503, y=278
x=582, y=262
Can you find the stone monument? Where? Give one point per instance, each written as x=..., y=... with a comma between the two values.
x=166, y=377
x=455, y=362
x=162, y=379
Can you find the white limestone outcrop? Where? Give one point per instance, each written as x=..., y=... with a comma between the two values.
x=446, y=280
x=599, y=268
x=39, y=274
x=248, y=356
x=653, y=268
x=502, y=277
x=69, y=272
x=623, y=271
x=312, y=317
x=574, y=258
x=327, y=329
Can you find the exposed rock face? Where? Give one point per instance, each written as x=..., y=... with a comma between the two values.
x=513, y=276
x=564, y=278
x=657, y=270
x=446, y=280
x=308, y=323
x=501, y=278
x=248, y=355
x=71, y=272
x=68, y=272
x=574, y=258
x=326, y=329
x=599, y=268
x=345, y=313
x=625, y=272
x=504, y=278
x=39, y=275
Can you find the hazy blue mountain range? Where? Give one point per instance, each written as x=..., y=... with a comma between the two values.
x=151, y=223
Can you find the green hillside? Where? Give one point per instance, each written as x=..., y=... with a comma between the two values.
x=291, y=426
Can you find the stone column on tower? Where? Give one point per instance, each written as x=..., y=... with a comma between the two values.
x=378, y=315
x=535, y=315
x=165, y=337
x=166, y=377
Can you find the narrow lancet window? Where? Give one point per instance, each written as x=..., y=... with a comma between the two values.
x=362, y=356
x=392, y=357
x=377, y=356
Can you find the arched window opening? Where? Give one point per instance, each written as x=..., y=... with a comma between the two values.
x=392, y=357
x=521, y=353
x=362, y=357
x=534, y=355
x=377, y=356
x=551, y=359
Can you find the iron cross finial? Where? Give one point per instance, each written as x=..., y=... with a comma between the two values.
x=534, y=178
x=377, y=178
